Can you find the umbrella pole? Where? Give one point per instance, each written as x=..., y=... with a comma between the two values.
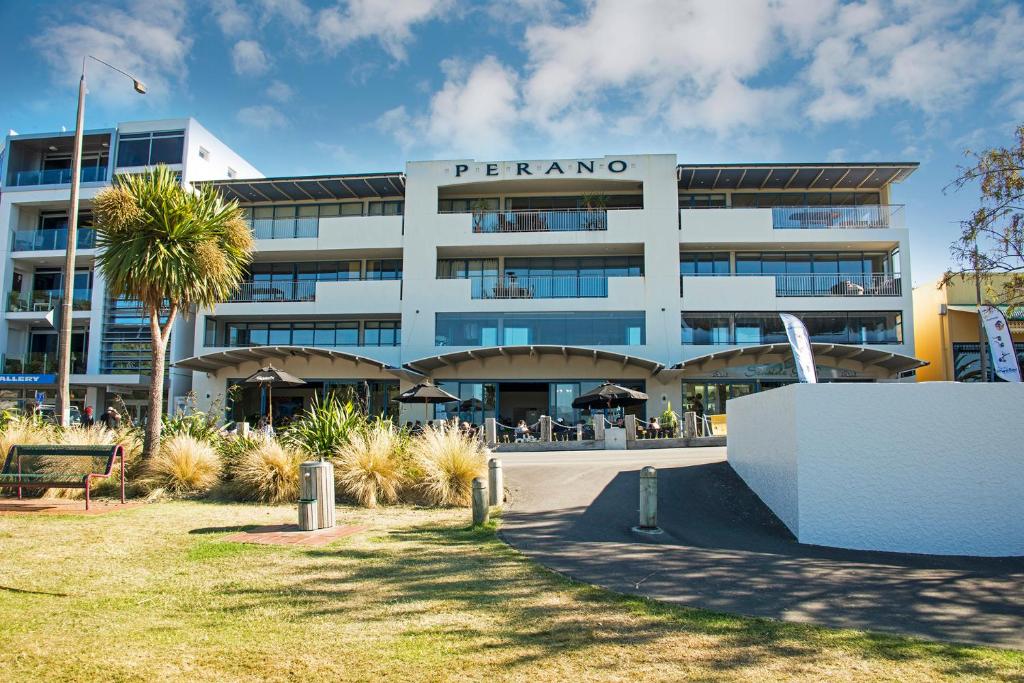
x=270, y=404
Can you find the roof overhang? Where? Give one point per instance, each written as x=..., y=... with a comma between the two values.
x=431, y=363
x=824, y=177
x=1015, y=319
x=218, y=360
x=826, y=354
x=307, y=188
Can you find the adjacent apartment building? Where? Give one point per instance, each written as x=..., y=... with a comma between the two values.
x=515, y=285
x=110, y=337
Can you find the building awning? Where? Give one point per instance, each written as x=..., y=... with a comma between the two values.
x=835, y=354
x=858, y=176
x=305, y=188
x=455, y=357
x=217, y=360
x=1016, y=319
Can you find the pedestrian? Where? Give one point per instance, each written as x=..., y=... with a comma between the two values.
x=111, y=419
x=417, y=428
x=698, y=409
x=264, y=427
x=87, y=419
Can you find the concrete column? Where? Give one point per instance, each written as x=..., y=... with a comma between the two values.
x=495, y=482
x=631, y=428
x=579, y=432
x=490, y=430
x=598, y=428
x=689, y=424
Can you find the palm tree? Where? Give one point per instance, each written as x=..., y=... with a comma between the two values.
x=171, y=249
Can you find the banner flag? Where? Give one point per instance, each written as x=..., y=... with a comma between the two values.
x=1000, y=343
x=800, y=342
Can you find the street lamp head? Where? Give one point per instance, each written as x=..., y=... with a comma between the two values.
x=140, y=87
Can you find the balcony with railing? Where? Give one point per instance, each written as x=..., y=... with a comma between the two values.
x=289, y=290
x=837, y=217
x=549, y=220
x=539, y=287
x=44, y=363
x=868, y=284
x=57, y=176
x=43, y=300
x=53, y=239
x=285, y=228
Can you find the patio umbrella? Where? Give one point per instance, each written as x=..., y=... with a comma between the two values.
x=269, y=376
x=425, y=393
x=609, y=395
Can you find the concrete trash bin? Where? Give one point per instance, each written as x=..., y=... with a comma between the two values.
x=316, y=489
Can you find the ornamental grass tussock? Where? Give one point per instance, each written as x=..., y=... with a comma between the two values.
x=184, y=465
x=267, y=472
x=449, y=460
x=372, y=467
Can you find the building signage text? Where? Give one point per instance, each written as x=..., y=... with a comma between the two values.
x=544, y=168
x=28, y=379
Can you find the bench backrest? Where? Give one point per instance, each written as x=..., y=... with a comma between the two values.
x=101, y=456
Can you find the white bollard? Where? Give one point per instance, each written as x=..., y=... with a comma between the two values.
x=545, y=428
x=490, y=430
x=579, y=432
x=598, y=428
x=242, y=428
x=495, y=482
x=481, y=512
x=631, y=428
x=648, y=502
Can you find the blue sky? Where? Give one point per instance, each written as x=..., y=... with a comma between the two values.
x=298, y=86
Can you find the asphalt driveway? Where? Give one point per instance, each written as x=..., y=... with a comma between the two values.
x=724, y=550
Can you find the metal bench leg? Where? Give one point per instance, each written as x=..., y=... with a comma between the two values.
x=19, y=476
x=87, y=481
x=122, y=477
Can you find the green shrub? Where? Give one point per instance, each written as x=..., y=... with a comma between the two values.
x=183, y=465
x=371, y=467
x=233, y=448
x=267, y=473
x=323, y=428
x=448, y=460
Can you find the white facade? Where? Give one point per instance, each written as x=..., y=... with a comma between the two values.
x=35, y=181
x=534, y=343
x=928, y=467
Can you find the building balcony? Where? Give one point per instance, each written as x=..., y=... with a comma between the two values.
x=871, y=284
x=308, y=297
x=540, y=287
x=52, y=239
x=57, y=176
x=41, y=301
x=552, y=220
x=837, y=217
x=41, y=364
x=882, y=226
x=285, y=228
x=312, y=235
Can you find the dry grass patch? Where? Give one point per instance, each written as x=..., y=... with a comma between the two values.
x=183, y=465
x=371, y=467
x=267, y=473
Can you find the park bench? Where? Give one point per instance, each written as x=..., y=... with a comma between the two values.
x=23, y=467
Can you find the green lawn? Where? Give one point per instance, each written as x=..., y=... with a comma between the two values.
x=154, y=593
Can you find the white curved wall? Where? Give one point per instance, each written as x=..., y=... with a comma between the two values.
x=933, y=468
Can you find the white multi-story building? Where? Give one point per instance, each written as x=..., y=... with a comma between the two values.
x=110, y=338
x=518, y=285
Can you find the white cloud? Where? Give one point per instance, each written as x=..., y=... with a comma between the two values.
x=232, y=20
x=148, y=40
x=389, y=22
x=279, y=91
x=262, y=117
x=249, y=59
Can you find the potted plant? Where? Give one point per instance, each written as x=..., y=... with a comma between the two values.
x=595, y=204
x=478, y=207
x=669, y=421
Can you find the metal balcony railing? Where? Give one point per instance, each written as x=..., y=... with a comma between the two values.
x=52, y=239
x=43, y=363
x=540, y=287
x=872, y=284
x=58, y=176
x=47, y=299
x=828, y=217
x=295, y=290
x=285, y=228
x=551, y=220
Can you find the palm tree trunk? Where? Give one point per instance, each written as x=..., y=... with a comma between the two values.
x=160, y=336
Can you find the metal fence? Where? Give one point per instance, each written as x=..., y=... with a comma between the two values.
x=52, y=239
x=292, y=290
x=285, y=228
x=42, y=300
x=551, y=220
x=828, y=217
x=540, y=287
x=59, y=176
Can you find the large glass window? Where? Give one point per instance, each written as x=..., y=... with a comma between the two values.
x=573, y=328
x=388, y=208
x=704, y=263
x=701, y=201
x=384, y=269
x=766, y=328
x=148, y=149
x=967, y=363
x=770, y=199
x=467, y=205
x=319, y=333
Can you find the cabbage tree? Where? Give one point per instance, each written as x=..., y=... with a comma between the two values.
x=172, y=249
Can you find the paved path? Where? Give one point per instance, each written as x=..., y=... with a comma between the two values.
x=724, y=550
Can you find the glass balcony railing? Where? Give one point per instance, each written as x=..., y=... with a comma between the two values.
x=869, y=284
x=47, y=299
x=52, y=239
x=285, y=228
x=540, y=287
x=552, y=220
x=294, y=290
x=58, y=176
x=829, y=217
x=44, y=363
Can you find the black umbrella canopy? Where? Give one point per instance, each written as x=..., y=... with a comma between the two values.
x=271, y=375
x=425, y=393
x=609, y=395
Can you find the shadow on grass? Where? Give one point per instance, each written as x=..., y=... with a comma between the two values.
x=527, y=614
x=23, y=591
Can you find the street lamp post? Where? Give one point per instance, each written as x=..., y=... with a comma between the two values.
x=64, y=335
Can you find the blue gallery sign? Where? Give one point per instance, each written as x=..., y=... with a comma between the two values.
x=28, y=379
